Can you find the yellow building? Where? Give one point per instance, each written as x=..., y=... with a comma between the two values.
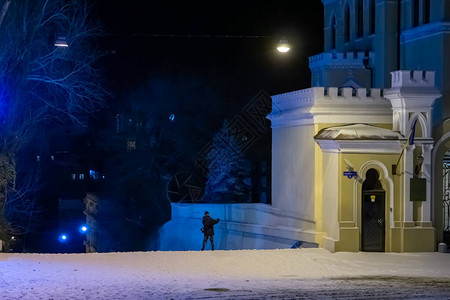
x=361, y=156
x=345, y=161
x=346, y=173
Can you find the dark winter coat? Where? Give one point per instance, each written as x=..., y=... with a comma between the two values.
x=208, y=224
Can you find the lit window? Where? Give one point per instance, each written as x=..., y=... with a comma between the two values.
x=131, y=144
x=74, y=176
x=93, y=175
x=81, y=176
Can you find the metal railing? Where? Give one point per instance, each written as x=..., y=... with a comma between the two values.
x=446, y=195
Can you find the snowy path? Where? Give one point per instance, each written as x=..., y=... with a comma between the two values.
x=245, y=274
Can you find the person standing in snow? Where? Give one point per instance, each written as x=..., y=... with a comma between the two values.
x=208, y=229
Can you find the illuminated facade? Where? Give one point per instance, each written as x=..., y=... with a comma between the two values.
x=347, y=172
x=358, y=157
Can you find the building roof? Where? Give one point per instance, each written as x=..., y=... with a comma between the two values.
x=357, y=132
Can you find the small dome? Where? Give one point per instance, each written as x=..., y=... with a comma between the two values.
x=357, y=132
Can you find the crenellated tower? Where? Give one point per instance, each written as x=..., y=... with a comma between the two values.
x=412, y=95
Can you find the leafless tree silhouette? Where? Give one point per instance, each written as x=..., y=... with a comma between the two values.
x=40, y=83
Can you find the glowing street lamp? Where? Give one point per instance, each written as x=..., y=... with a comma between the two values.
x=83, y=229
x=283, y=46
x=61, y=42
x=63, y=238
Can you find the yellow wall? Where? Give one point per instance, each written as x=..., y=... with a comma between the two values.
x=399, y=236
x=338, y=201
x=351, y=191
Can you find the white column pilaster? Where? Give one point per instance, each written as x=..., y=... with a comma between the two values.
x=408, y=174
x=426, y=173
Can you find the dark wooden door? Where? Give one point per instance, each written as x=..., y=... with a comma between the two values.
x=373, y=221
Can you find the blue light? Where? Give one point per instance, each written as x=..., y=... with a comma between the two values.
x=83, y=229
x=63, y=238
x=172, y=118
x=93, y=174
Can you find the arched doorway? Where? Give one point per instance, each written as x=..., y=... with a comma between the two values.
x=373, y=225
x=441, y=186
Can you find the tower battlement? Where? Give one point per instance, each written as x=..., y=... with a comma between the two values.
x=341, y=58
x=330, y=95
x=359, y=94
x=416, y=78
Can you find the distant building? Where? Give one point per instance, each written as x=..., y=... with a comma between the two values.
x=91, y=209
x=105, y=222
x=70, y=171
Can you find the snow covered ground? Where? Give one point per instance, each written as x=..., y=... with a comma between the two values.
x=244, y=274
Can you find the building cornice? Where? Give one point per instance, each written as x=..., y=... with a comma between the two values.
x=326, y=2
x=339, y=60
x=361, y=146
x=331, y=105
x=423, y=31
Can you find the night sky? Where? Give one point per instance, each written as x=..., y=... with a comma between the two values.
x=200, y=74
x=236, y=67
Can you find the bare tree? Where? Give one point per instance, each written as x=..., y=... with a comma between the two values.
x=40, y=82
x=20, y=206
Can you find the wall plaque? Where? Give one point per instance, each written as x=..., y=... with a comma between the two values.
x=418, y=189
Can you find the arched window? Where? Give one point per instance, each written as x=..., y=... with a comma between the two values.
x=347, y=23
x=372, y=16
x=359, y=10
x=426, y=11
x=333, y=32
x=415, y=21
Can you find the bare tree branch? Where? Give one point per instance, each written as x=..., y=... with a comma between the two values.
x=4, y=10
x=40, y=83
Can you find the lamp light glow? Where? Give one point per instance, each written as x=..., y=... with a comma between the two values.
x=83, y=229
x=283, y=46
x=63, y=238
x=61, y=42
